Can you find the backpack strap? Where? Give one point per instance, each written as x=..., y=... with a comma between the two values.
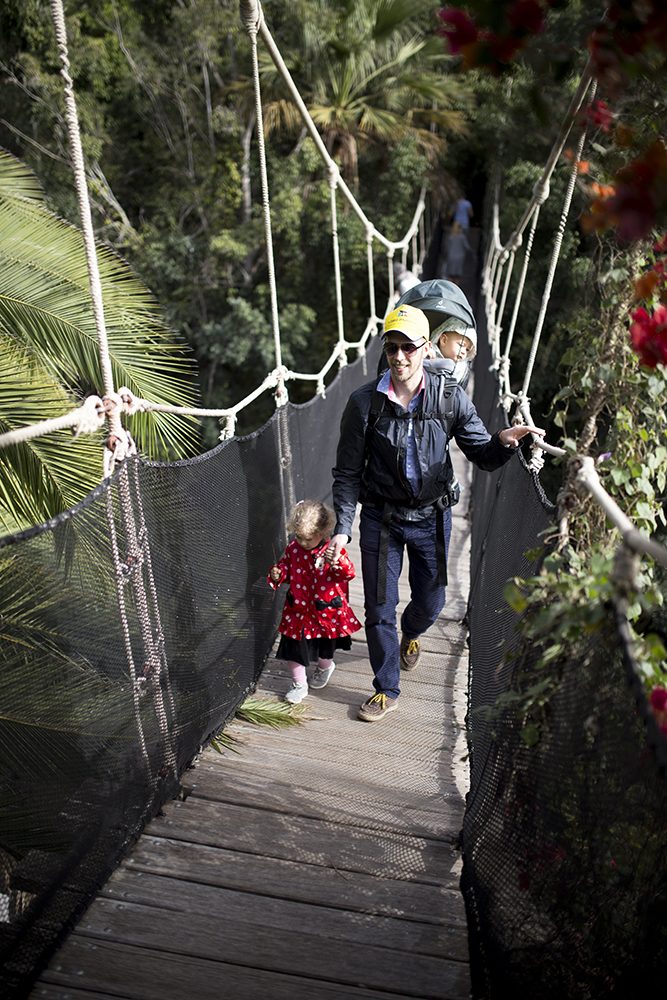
x=444, y=409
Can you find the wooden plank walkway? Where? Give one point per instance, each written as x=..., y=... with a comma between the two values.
x=318, y=863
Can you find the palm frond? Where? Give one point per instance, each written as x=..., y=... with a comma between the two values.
x=46, y=319
x=17, y=180
x=260, y=712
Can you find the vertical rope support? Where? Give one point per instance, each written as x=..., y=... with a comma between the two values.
x=518, y=297
x=422, y=243
x=127, y=639
x=371, y=272
x=390, y=272
x=503, y=300
x=157, y=625
x=495, y=332
x=287, y=493
x=79, y=169
x=491, y=275
x=252, y=19
x=333, y=182
x=137, y=549
x=558, y=242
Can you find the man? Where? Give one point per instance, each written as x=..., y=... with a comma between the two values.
x=393, y=456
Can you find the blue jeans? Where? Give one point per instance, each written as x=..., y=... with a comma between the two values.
x=427, y=595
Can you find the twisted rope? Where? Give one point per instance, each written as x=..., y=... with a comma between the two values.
x=79, y=170
x=86, y=419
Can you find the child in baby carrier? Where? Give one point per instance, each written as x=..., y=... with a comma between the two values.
x=317, y=618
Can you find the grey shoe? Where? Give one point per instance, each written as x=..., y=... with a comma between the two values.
x=296, y=693
x=320, y=677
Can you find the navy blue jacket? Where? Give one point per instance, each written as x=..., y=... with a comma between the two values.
x=376, y=473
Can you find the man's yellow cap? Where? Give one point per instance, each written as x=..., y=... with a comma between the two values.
x=409, y=321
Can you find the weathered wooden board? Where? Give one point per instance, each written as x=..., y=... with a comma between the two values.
x=279, y=914
x=310, y=952
x=221, y=781
x=132, y=972
x=291, y=880
x=310, y=841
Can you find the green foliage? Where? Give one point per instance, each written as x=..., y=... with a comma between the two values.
x=260, y=712
x=51, y=360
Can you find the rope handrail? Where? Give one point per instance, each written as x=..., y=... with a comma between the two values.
x=85, y=419
x=635, y=539
x=253, y=17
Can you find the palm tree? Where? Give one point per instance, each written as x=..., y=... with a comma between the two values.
x=369, y=72
x=50, y=360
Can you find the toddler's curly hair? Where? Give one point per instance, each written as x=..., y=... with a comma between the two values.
x=311, y=517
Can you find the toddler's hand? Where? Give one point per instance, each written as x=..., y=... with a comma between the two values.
x=333, y=549
x=275, y=574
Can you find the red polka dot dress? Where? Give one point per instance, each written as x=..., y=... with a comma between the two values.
x=317, y=617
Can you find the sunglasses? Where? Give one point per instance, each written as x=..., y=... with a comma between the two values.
x=407, y=347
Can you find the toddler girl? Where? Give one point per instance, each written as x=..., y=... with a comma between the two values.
x=317, y=618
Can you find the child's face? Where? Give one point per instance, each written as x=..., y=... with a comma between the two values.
x=455, y=346
x=309, y=542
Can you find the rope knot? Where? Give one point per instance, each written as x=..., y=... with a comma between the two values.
x=227, y=432
x=541, y=192
x=91, y=416
x=129, y=402
x=119, y=446
x=251, y=15
x=113, y=404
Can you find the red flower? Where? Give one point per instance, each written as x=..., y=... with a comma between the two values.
x=459, y=28
x=658, y=699
x=600, y=115
x=660, y=246
x=648, y=334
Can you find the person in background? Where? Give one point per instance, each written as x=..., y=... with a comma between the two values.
x=393, y=456
x=317, y=618
x=462, y=212
x=456, y=250
x=403, y=278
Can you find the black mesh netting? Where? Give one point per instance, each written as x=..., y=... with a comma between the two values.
x=132, y=628
x=565, y=831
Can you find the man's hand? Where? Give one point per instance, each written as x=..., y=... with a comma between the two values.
x=333, y=549
x=275, y=574
x=510, y=436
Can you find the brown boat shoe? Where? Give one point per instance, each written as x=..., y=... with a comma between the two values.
x=376, y=707
x=410, y=652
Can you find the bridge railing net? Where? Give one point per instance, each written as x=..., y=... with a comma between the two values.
x=95, y=729
x=565, y=831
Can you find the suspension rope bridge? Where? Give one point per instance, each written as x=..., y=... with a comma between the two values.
x=179, y=634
